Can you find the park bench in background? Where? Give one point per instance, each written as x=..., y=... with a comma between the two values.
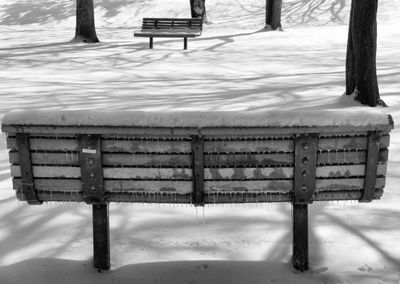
x=170, y=27
x=100, y=158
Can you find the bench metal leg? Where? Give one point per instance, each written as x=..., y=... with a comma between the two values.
x=151, y=43
x=300, y=237
x=101, y=237
x=185, y=43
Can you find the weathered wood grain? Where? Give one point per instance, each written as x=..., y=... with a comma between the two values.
x=267, y=173
x=178, y=146
x=74, y=186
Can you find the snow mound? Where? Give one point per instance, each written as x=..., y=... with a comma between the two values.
x=352, y=116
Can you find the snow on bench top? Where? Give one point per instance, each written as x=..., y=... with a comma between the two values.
x=353, y=116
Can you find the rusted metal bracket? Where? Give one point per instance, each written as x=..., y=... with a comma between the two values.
x=198, y=170
x=91, y=169
x=25, y=163
x=305, y=158
x=371, y=167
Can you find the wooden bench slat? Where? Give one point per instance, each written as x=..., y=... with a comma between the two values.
x=71, y=189
x=209, y=198
x=185, y=160
x=133, y=146
x=343, y=171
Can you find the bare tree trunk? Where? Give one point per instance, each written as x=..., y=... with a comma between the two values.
x=350, y=72
x=198, y=9
x=85, y=29
x=361, y=52
x=273, y=11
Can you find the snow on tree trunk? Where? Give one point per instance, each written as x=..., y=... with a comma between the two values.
x=85, y=29
x=198, y=9
x=361, y=52
x=273, y=9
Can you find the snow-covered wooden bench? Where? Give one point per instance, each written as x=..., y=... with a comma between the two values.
x=170, y=27
x=197, y=158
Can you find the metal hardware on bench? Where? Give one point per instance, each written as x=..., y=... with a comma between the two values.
x=91, y=168
x=198, y=170
x=28, y=187
x=305, y=168
x=371, y=167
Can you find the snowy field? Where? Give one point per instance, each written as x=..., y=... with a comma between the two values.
x=235, y=66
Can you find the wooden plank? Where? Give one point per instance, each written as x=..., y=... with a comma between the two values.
x=109, y=173
x=248, y=146
x=124, y=146
x=180, y=160
x=178, y=187
x=178, y=146
x=148, y=173
x=267, y=173
x=249, y=160
x=248, y=173
x=74, y=186
x=72, y=159
x=348, y=157
x=346, y=184
x=209, y=198
x=263, y=185
x=145, y=146
x=347, y=171
x=43, y=144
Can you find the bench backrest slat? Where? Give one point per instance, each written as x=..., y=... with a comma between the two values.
x=172, y=23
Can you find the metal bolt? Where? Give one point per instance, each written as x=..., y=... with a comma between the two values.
x=305, y=160
x=304, y=174
x=303, y=188
x=91, y=175
x=91, y=161
x=305, y=146
x=93, y=188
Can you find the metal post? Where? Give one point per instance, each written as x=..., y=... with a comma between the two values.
x=151, y=43
x=101, y=237
x=185, y=43
x=300, y=237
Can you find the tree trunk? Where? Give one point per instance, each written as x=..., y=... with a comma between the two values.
x=85, y=29
x=273, y=10
x=361, y=52
x=198, y=9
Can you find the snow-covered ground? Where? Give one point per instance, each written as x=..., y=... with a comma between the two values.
x=235, y=66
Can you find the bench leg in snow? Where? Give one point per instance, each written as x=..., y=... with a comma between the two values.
x=101, y=237
x=151, y=43
x=185, y=43
x=300, y=237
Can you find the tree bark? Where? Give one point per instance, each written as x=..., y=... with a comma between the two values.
x=198, y=9
x=273, y=11
x=361, y=52
x=85, y=29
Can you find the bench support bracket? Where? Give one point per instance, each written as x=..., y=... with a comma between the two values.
x=305, y=158
x=91, y=168
x=198, y=170
x=101, y=237
x=300, y=237
x=28, y=187
x=371, y=167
